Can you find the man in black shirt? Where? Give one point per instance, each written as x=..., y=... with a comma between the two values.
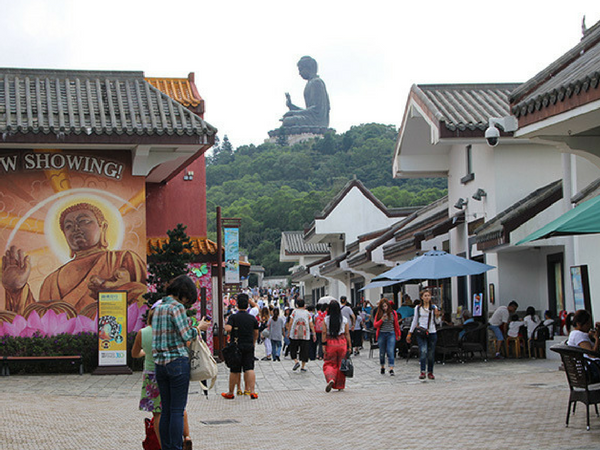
x=243, y=328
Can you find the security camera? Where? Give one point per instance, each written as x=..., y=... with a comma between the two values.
x=507, y=124
x=492, y=136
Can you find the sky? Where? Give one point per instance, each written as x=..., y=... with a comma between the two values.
x=244, y=53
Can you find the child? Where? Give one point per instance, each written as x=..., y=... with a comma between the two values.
x=514, y=325
x=549, y=322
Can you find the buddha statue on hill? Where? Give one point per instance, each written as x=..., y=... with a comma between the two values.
x=314, y=118
x=316, y=112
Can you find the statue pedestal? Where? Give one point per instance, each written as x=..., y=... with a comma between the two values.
x=293, y=135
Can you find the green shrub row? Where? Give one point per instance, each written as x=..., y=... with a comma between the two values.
x=84, y=344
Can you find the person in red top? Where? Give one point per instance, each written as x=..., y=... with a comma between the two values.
x=388, y=332
x=319, y=319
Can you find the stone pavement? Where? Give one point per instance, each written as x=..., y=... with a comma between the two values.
x=506, y=404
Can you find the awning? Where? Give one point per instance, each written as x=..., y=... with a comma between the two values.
x=583, y=219
x=377, y=284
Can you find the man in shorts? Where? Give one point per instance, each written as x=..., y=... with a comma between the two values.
x=499, y=323
x=243, y=327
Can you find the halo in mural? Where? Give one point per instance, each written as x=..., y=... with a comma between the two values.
x=55, y=237
x=58, y=202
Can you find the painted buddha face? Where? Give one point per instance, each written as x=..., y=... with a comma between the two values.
x=82, y=230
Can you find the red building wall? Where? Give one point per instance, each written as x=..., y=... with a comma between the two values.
x=178, y=201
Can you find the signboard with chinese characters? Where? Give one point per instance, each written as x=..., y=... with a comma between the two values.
x=232, y=255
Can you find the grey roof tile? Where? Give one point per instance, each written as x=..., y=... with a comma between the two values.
x=573, y=73
x=496, y=231
x=463, y=107
x=90, y=102
x=294, y=244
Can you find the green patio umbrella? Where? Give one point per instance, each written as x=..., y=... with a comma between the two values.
x=583, y=219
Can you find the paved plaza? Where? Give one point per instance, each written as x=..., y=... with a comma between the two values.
x=510, y=404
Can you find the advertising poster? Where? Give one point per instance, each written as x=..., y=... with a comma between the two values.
x=112, y=329
x=232, y=255
x=72, y=224
x=581, y=287
x=477, y=311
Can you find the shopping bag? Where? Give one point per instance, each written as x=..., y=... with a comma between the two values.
x=202, y=364
x=346, y=367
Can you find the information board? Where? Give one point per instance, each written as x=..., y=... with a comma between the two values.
x=112, y=328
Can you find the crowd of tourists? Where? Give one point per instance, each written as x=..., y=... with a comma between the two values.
x=330, y=331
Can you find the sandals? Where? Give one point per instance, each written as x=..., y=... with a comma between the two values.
x=253, y=395
x=227, y=395
x=240, y=392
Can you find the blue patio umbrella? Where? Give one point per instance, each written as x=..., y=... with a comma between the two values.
x=434, y=265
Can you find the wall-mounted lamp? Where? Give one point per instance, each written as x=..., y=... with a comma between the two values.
x=188, y=175
x=461, y=203
x=479, y=194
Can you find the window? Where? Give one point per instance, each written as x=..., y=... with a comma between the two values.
x=470, y=176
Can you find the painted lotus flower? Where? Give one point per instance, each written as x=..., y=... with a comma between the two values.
x=135, y=317
x=51, y=324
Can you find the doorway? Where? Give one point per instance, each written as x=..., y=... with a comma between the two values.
x=556, y=287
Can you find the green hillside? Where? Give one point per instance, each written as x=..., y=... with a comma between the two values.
x=275, y=188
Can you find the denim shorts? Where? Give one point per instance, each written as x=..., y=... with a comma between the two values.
x=497, y=332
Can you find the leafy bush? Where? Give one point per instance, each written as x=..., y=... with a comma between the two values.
x=84, y=344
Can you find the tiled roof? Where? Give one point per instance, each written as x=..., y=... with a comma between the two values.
x=293, y=244
x=200, y=245
x=573, y=74
x=332, y=266
x=588, y=192
x=409, y=238
x=35, y=101
x=461, y=107
x=178, y=89
x=497, y=230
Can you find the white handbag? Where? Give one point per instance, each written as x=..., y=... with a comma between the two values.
x=202, y=364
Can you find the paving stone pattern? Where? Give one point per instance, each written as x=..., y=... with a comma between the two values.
x=506, y=404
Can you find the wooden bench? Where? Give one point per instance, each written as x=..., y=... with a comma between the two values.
x=7, y=359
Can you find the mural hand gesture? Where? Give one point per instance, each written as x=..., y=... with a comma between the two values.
x=16, y=268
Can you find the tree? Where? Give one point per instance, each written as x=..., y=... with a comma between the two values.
x=168, y=261
x=275, y=187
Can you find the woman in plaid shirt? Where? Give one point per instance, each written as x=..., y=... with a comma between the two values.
x=171, y=336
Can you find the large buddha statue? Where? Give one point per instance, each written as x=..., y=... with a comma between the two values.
x=316, y=113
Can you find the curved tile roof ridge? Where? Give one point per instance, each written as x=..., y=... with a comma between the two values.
x=41, y=101
x=465, y=106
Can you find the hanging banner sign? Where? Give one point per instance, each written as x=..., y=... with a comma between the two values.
x=232, y=255
x=112, y=328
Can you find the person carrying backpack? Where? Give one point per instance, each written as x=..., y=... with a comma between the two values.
x=319, y=320
x=300, y=328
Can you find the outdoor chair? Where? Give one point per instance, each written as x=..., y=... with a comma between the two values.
x=576, y=369
x=448, y=343
x=412, y=348
x=537, y=343
x=473, y=340
x=373, y=344
x=518, y=342
x=401, y=346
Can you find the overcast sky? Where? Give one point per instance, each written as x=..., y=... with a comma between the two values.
x=244, y=53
